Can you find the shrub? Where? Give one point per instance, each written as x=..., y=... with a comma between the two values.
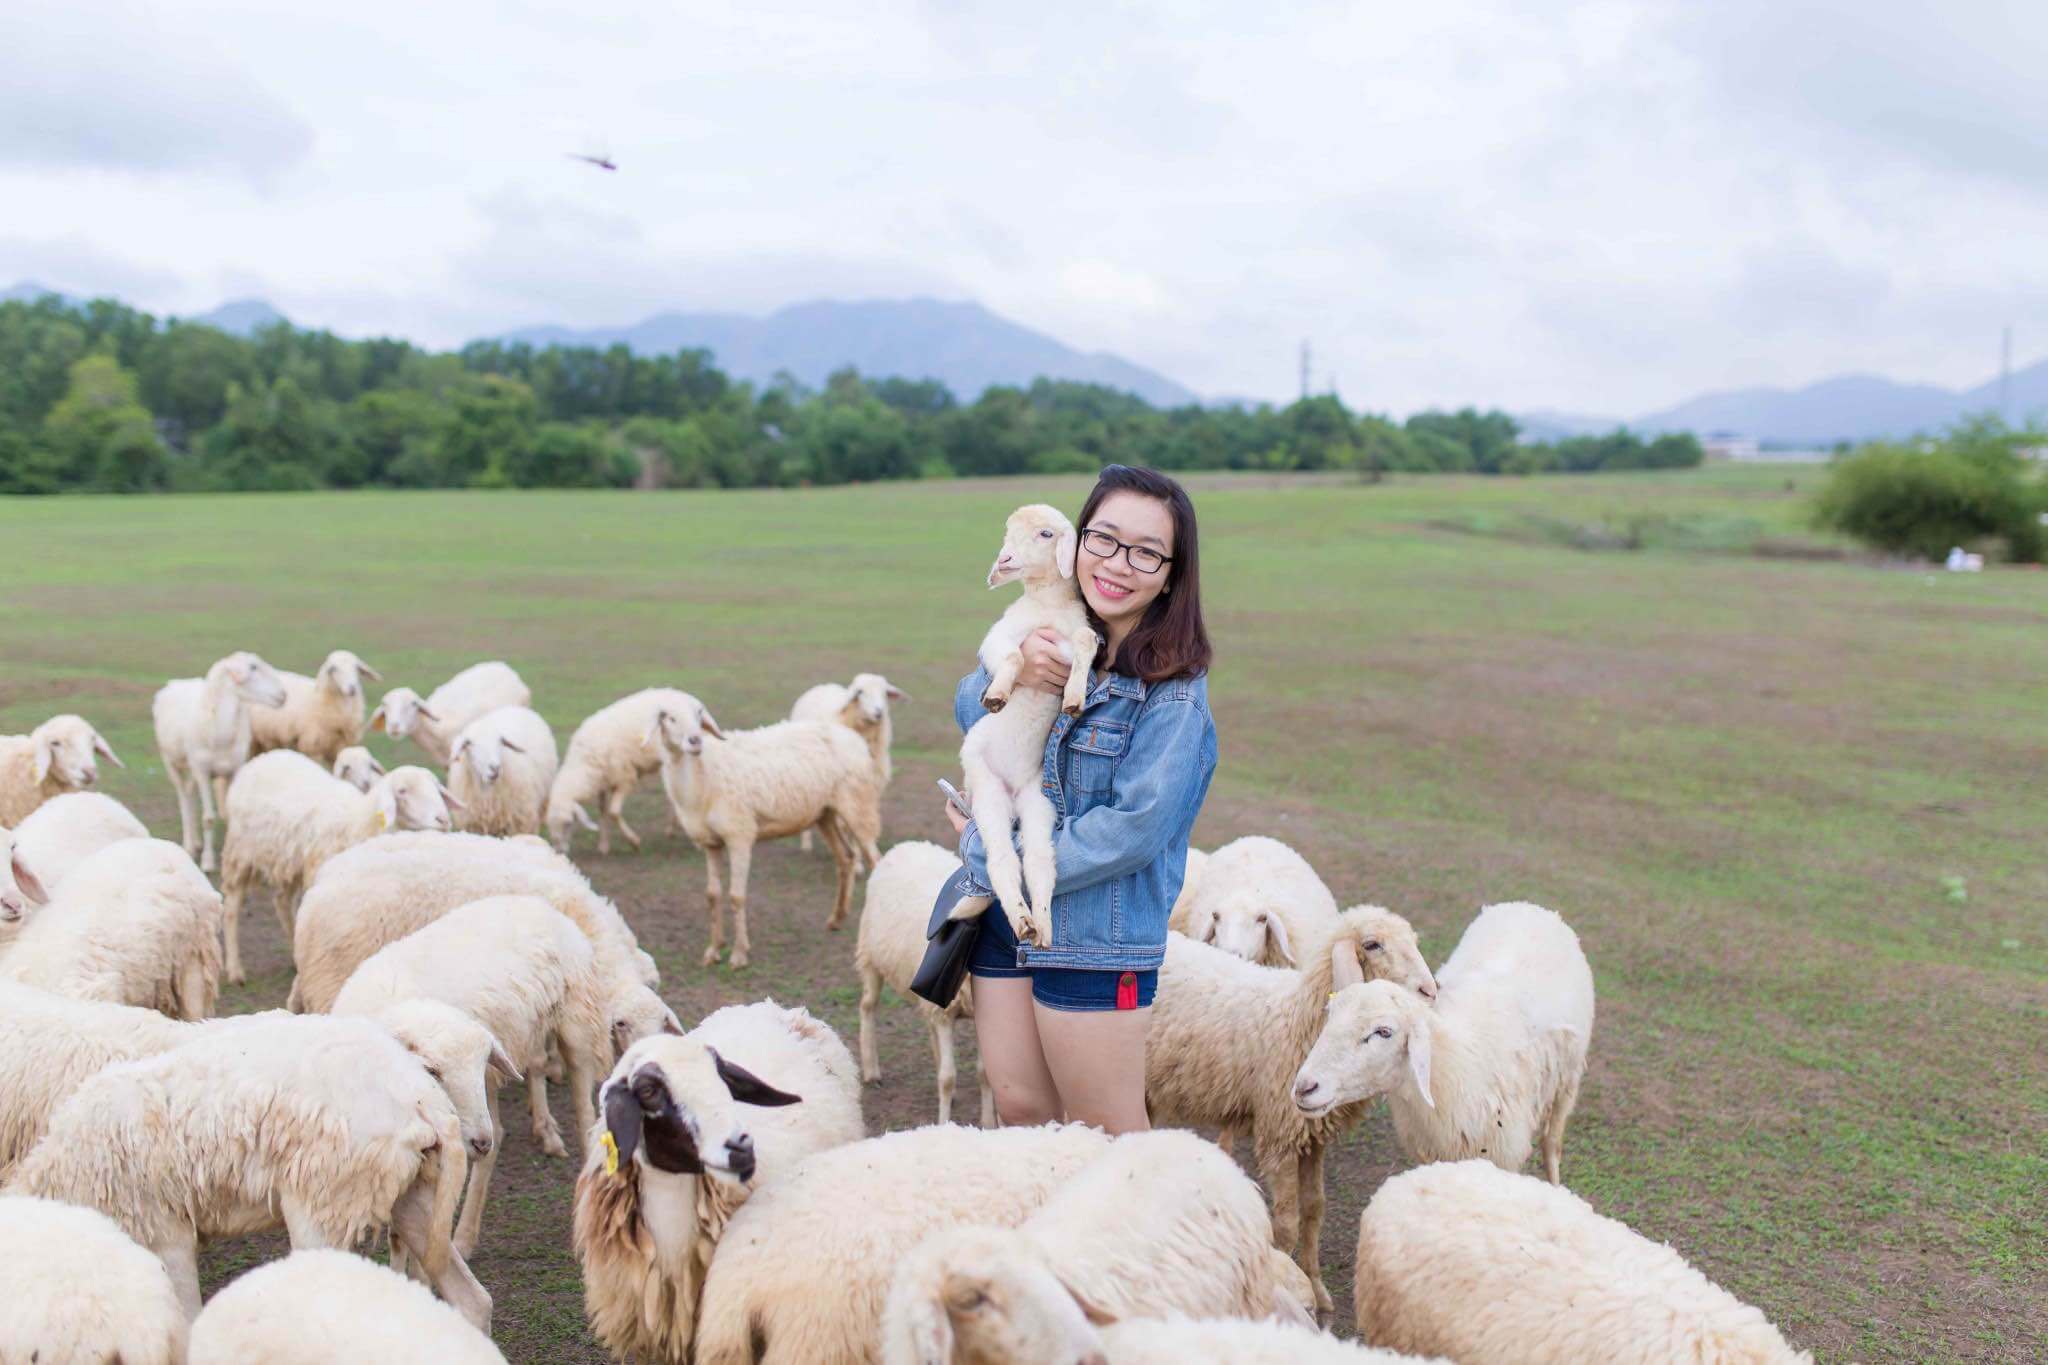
x=1971, y=486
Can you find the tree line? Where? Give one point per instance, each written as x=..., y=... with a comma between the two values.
x=103, y=397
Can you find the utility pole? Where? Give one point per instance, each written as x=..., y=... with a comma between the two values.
x=2005, y=376
x=1304, y=367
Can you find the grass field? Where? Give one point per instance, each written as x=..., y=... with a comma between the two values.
x=1793, y=806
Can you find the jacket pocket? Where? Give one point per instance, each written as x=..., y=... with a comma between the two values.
x=1093, y=750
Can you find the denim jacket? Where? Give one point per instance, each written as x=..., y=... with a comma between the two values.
x=1127, y=778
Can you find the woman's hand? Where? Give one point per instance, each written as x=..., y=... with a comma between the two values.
x=1045, y=664
x=953, y=814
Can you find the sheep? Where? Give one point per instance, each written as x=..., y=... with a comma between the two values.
x=862, y=706
x=1188, y=1341
x=1003, y=756
x=136, y=923
x=1161, y=1223
x=327, y=1127
x=1491, y=1069
x=525, y=972
x=501, y=767
x=1228, y=1036
x=80, y=1291
x=384, y=889
x=1190, y=879
x=803, y=1269
x=203, y=732
x=1491, y=1267
x=20, y=890
x=607, y=758
x=678, y=1153
x=1258, y=898
x=321, y=715
x=358, y=767
x=434, y=723
x=767, y=784
x=891, y=944
x=60, y=755
x=333, y=1308
x=64, y=832
x=287, y=815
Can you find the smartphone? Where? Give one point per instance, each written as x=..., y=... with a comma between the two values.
x=953, y=796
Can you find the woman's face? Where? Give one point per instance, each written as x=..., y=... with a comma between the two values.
x=1117, y=592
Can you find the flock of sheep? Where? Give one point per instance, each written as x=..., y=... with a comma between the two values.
x=730, y=1206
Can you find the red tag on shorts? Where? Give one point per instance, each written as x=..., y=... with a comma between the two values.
x=1127, y=991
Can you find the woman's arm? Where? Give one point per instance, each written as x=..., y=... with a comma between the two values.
x=967, y=707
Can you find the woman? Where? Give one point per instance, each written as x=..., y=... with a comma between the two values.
x=1062, y=1028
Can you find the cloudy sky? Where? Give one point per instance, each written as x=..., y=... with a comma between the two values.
x=1598, y=207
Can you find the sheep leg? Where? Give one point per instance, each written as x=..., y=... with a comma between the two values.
x=299, y=1224
x=412, y=1219
x=195, y=990
x=844, y=863
x=740, y=856
x=181, y=1259
x=1035, y=819
x=616, y=808
x=870, y=996
x=803, y=841
x=234, y=885
x=181, y=783
x=469, y=1229
x=546, y=1131
x=1002, y=681
x=712, y=892
x=1309, y=1256
x=993, y=816
x=1553, y=1130
x=1075, y=695
x=1282, y=1174
x=213, y=792
x=583, y=1074
x=942, y=1054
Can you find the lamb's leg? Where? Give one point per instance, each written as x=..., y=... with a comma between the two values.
x=712, y=892
x=412, y=1220
x=870, y=996
x=180, y=1256
x=1309, y=1255
x=1075, y=696
x=234, y=886
x=1035, y=819
x=1553, y=1130
x=208, y=788
x=196, y=990
x=470, y=1227
x=844, y=863
x=993, y=816
x=740, y=852
x=616, y=808
x=546, y=1131
x=181, y=783
x=1000, y=684
x=942, y=1054
x=583, y=1074
x=803, y=841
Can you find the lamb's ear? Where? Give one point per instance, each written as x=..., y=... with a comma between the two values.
x=1091, y=1310
x=376, y=767
x=931, y=1330
x=896, y=693
x=748, y=1088
x=1277, y=927
x=710, y=725
x=375, y=676
x=654, y=730
x=515, y=748
x=31, y=886
x=1345, y=968
x=377, y=717
x=502, y=1060
x=1070, y=541
x=46, y=754
x=447, y=797
x=1418, y=1058
x=429, y=714
x=106, y=750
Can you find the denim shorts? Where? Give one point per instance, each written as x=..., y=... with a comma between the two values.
x=1058, y=988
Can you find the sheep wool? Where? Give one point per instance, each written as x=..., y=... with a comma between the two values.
x=333, y=1308
x=204, y=735
x=500, y=769
x=608, y=757
x=1186, y=1341
x=58, y=756
x=321, y=716
x=81, y=1292
x=862, y=706
x=433, y=723
x=1260, y=900
x=66, y=830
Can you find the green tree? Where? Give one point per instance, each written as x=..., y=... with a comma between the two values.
x=487, y=433
x=100, y=436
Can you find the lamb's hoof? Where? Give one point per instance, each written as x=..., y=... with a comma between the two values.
x=550, y=1143
x=739, y=957
x=711, y=956
x=207, y=864
x=1041, y=931
x=465, y=1247
x=875, y=1079
x=994, y=702
x=235, y=976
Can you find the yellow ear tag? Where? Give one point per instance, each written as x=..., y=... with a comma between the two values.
x=611, y=1152
x=380, y=820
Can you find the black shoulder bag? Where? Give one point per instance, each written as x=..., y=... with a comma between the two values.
x=949, y=944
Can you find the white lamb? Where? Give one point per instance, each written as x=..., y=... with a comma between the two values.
x=891, y=943
x=287, y=815
x=802, y=1272
x=1228, y=1036
x=608, y=757
x=525, y=972
x=862, y=706
x=328, y=1128
x=737, y=789
x=1192, y=1341
x=58, y=756
x=333, y=1308
x=322, y=715
x=1003, y=756
x=1162, y=1223
x=203, y=731
x=358, y=767
x=20, y=889
x=380, y=891
x=1491, y=1069
x=81, y=1292
x=1493, y=1268
x=1259, y=899
x=64, y=832
x=434, y=723
x=136, y=923
x=692, y=1127
x=501, y=767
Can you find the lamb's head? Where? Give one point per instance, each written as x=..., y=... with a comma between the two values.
x=400, y=713
x=19, y=887
x=637, y=1013
x=674, y=1104
x=680, y=729
x=1038, y=545
x=253, y=680
x=412, y=798
x=343, y=673
x=68, y=749
x=1376, y=1038
x=483, y=747
x=563, y=816
x=356, y=766
x=1372, y=943
x=976, y=1296
x=868, y=697
x=456, y=1051
x=1244, y=921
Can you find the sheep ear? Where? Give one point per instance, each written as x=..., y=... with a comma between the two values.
x=448, y=797
x=1277, y=927
x=106, y=750
x=622, y=1122
x=1418, y=1059
x=376, y=767
x=748, y=1088
x=386, y=802
x=377, y=717
x=896, y=693
x=931, y=1330
x=429, y=714
x=31, y=886
x=375, y=676
x=46, y=754
x=515, y=748
x=654, y=730
x=1345, y=968
x=502, y=1060
x=1069, y=542
x=710, y=726
x=582, y=816
x=1091, y=1310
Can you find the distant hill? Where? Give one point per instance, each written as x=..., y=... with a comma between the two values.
x=962, y=344
x=243, y=317
x=28, y=291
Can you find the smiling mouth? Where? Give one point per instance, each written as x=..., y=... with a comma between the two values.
x=1115, y=592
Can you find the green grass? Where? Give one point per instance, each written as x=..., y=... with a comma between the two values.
x=1743, y=777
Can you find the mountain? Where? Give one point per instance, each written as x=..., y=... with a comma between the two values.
x=1548, y=424
x=242, y=317
x=962, y=344
x=1854, y=407
x=28, y=291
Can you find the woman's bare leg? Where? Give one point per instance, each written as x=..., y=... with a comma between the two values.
x=1097, y=1061
x=1012, y=1063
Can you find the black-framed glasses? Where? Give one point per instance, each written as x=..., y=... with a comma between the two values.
x=1143, y=558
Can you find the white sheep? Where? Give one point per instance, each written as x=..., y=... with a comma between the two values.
x=20, y=889
x=326, y=1127
x=862, y=706
x=1491, y=1069
x=382, y=890
x=1211, y=1341
x=891, y=943
x=287, y=815
x=1190, y=880
x=64, y=832
x=692, y=1127
x=58, y=756
x=608, y=756
x=322, y=715
x=358, y=767
x=501, y=768
x=526, y=973
x=434, y=723
x=333, y=1308
x=1003, y=755
x=1228, y=1036
x=136, y=923
x=1258, y=899
x=81, y=1292
x=203, y=732
x=1494, y=1268
x=1161, y=1223
x=803, y=1269
x=733, y=790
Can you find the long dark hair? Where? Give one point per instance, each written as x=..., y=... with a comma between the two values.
x=1169, y=640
